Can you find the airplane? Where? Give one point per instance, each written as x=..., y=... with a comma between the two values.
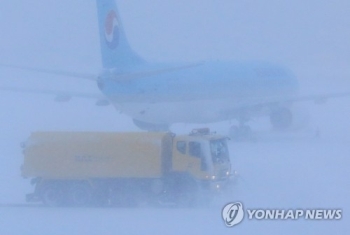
x=157, y=95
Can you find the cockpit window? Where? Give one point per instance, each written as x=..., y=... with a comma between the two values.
x=219, y=151
x=181, y=147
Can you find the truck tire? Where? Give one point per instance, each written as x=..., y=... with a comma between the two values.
x=80, y=194
x=52, y=195
x=187, y=194
x=100, y=198
x=122, y=198
x=182, y=189
x=157, y=186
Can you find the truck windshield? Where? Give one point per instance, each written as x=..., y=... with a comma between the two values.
x=219, y=151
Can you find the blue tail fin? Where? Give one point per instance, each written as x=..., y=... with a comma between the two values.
x=115, y=49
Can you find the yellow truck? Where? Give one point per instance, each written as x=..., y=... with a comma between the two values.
x=124, y=169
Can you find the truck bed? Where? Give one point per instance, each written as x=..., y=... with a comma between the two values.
x=79, y=155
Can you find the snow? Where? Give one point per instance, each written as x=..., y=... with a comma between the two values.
x=278, y=171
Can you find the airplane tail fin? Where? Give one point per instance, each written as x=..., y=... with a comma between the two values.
x=115, y=49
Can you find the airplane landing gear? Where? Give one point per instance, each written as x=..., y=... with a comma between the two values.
x=241, y=133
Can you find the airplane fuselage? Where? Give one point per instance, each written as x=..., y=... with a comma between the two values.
x=209, y=92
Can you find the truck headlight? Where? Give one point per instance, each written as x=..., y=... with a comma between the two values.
x=213, y=177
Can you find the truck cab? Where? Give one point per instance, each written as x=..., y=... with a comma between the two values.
x=204, y=156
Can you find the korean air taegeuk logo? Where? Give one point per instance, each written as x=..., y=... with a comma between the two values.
x=112, y=30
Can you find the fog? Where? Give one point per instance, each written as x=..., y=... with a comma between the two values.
x=278, y=170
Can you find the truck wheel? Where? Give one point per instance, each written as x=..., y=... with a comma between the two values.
x=100, y=199
x=80, y=195
x=122, y=198
x=51, y=195
x=183, y=189
x=157, y=186
x=186, y=198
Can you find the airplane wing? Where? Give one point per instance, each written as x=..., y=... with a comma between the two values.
x=316, y=98
x=64, y=96
x=152, y=72
x=319, y=98
x=60, y=96
x=125, y=76
x=91, y=77
x=255, y=103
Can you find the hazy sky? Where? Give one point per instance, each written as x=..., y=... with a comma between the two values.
x=311, y=37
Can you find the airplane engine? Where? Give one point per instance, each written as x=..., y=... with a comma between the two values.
x=289, y=118
x=150, y=126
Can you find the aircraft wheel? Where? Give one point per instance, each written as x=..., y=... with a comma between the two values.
x=246, y=132
x=240, y=133
x=234, y=132
x=281, y=118
x=150, y=126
